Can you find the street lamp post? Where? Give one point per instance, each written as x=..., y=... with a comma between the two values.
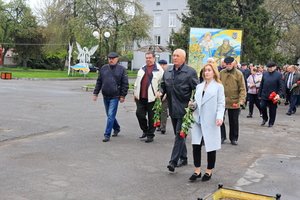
x=106, y=37
x=98, y=35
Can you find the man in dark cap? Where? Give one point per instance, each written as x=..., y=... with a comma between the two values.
x=113, y=81
x=235, y=94
x=162, y=62
x=164, y=106
x=271, y=82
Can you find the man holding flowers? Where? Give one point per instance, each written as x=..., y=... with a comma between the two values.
x=178, y=83
x=145, y=89
x=271, y=88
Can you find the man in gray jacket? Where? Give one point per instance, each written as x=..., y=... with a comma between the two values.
x=178, y=83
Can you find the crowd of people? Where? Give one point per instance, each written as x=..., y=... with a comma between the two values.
x=219, y=90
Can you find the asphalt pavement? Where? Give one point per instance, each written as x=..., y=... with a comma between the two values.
x=51, y=148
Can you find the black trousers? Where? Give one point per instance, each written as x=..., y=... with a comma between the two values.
x=264, y=104
x=287, y=95
x=143, y=108
x=179, y=148
x=293, y=103
x=253, y=99
x=211, y=157
x=233, y=118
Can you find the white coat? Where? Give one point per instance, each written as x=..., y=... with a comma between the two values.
x=209, y=108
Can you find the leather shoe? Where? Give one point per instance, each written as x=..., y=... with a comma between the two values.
x=233, y=142
x=288, y=113
x=182, y=162
x=163, y=132
x=249, y=116
x=116, y=132
x=195, y=176
x=158, y=129
x=143, y=136
x=263, y=122
x=270, y=125
x=206, y=177
x=105, y=139
x=149, y=139
x=171, y=167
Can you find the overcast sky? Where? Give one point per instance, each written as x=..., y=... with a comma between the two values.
x=31, y=3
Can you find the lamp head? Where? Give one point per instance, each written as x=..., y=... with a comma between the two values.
x=106, y=34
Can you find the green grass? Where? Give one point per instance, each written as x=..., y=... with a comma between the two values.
x=51, y=74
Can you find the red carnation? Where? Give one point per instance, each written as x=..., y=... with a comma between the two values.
x=272, y=98
x=182, y=134
x=158, y=123
x=235, y=105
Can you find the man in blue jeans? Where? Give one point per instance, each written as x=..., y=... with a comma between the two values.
x=113, y=81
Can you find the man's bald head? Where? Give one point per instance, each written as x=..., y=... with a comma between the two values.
x=179, y=56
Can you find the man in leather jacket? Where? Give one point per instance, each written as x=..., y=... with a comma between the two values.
x=178, y=83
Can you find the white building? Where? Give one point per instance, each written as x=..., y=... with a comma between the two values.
x=165, y=15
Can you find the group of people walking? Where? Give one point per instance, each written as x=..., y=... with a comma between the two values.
x=222, y=90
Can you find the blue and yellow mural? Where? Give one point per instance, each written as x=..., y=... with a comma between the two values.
x=217, y=43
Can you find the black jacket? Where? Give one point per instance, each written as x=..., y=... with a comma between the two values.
x=112, y=80
x=271, y=82
x=179, y=89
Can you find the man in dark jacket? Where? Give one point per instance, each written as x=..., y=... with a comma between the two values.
x=178, y=83
x=293, y=85
x=246, y=73
x=113, y=81
x=271, y=82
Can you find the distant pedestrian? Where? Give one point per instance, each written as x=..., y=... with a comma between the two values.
x=235, y=94
x=271, y=82
x=178, y=83
x=246, y=73
x=253, y=83
x=164, y=106
x=113, y=82
x=293, y=84
x=145, y=91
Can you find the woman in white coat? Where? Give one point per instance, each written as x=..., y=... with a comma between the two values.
x=209, y=108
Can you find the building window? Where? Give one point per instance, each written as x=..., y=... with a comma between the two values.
x=157, y=39
x=171, y=41
x=172, y=19
x=158, y=3
x=157, y=20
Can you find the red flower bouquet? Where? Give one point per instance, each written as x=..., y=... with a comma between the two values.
x=157, y=113
x=187, y=120
x=274, y=97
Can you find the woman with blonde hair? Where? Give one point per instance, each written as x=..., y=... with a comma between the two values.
x=209, y=107
x=211, y=61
